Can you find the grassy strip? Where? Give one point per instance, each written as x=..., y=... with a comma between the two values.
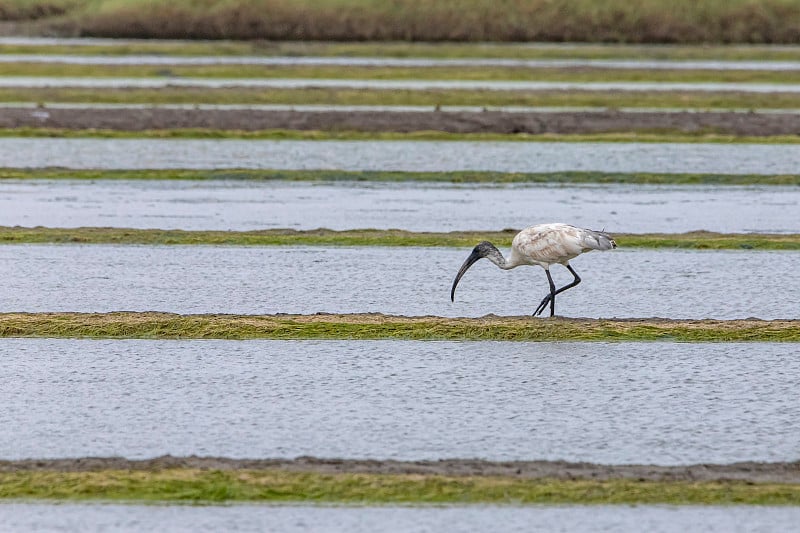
x=639, y=178
x=720, y=21
x=661, y=136
x=151, y=325
x=191, y=485
x=442, y=50
x=482, y=73
x=697, y=240
x=334, y=96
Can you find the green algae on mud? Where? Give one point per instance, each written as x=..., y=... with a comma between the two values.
x=577, y=177
x=396, y=49
x=697, y=240
x=667, y=135
x=371, y=326
x=582, y=74
x=216, y=486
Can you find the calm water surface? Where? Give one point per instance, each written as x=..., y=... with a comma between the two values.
x=400, y=155
x=657, y=403
x=409, y=281
x=137, y=59
x=23, y=517
x=249, y=205
x=395, y=85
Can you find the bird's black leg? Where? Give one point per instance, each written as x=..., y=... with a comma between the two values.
x=543, y=304
x=552, y=293
x=547, y=299
x=574, y=281
x=551, y=298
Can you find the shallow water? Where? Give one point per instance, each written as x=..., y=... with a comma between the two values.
x=652, y=403
x=24, y=517
x=251, y=205
x=408, y=281
x=400, y=155
x=413, y=85
x=136, y=59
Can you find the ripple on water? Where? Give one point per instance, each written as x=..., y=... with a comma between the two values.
x=659, y=403
x=419, y=62
x=251, y=205
x=392, y=84
x=19, y=517
x=400, y=155
x=408, y=281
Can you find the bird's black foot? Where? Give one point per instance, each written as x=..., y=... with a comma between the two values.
x=542, y=306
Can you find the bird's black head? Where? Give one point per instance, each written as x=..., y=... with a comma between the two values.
x=483, y=249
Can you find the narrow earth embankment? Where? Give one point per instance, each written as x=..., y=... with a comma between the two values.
x=561, y=122
x=153, y=325
x=751, y=471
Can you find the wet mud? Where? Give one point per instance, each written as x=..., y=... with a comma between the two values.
x=566, y=122
x=755, y=472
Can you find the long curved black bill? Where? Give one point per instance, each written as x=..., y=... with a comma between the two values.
x=474, y=256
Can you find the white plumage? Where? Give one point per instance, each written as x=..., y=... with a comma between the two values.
x=542, y=245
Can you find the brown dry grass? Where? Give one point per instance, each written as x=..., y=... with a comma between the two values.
x=16, y=10
x=645, y=21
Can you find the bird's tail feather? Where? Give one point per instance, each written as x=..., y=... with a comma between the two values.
x=598, y=240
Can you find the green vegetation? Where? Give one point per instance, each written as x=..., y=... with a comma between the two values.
x=417, y=49
x=217, y=486
x=718, y=21
x=151, y=325
x=696, y=240
x=333, y=135
x=481, y=73
x=707, y=240
x=334, y=96
x=639, y=178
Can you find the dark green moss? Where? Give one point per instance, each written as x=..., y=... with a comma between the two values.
x=638, y=178
x=373, y=326
x=419, y=49
x=483, y=73
x=188, y=485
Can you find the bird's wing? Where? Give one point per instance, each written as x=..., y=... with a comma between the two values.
x=550, y=243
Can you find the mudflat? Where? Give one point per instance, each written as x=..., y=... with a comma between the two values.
x=753, y=472
x=490, y=121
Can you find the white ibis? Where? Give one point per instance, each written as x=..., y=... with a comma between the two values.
x=542, y=245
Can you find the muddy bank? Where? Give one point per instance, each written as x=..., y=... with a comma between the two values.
x=747, y=471
x=368, y=326
x=697, y=240
x=567, y=122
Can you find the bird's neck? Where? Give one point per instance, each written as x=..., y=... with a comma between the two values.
x=490, y=252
